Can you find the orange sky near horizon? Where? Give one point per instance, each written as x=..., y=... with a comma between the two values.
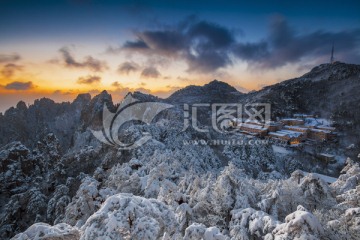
x=42, y=71
x=59, y=49
x=52, y=79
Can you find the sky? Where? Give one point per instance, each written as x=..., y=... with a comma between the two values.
x=60, y=48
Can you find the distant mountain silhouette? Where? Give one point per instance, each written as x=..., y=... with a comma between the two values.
x=329, y=90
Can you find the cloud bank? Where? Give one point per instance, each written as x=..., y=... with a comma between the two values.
x=207, y=47
x=89, y=62
x=18, y=86
x=9, y=69
x=285, y=45
x=5, y=58
x=90, y=79
x=150, y=72
x=128, y=67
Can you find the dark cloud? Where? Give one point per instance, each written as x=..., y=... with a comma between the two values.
x=252, y=51
x=207, y=60
x=90, y=79
x=57, y=92
x=284, y=45
x=61, y=93
x=19, y=86
x=4, y=58
x=128, y=67
x=167, y=41
x=9, y=69
x=136, y=45
x=116, y=84
x=150, y=72
x=89, y=62
x=215, y=35
x=203, y=45
x=133, y=46
x=208, y=47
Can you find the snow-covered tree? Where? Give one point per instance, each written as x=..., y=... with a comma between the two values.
x=199, y=231
x=88, y=199
x=300, y=224
x=250, y=224
x=61, y=231
x=125, y=216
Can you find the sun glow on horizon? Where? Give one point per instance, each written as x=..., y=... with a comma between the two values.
x=52, y=79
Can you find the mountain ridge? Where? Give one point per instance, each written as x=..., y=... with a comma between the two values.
x=57, y=178
x=215, y=85
x=328, y=90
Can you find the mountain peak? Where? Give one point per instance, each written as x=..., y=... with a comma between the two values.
x=215, y=81
x=82, y=98
x=214, y=91
x=216, y=84
x=145, y=97
x=336, y=70
x=104, y=93
x=21, y=105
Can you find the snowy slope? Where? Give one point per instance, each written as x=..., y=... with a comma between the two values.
x=60, y=182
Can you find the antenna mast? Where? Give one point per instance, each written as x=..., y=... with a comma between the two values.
x=332, y=54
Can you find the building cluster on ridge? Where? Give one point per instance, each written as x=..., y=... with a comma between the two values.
x=292, y=131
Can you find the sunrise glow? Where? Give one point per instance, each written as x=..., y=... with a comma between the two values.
x=126, y=47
